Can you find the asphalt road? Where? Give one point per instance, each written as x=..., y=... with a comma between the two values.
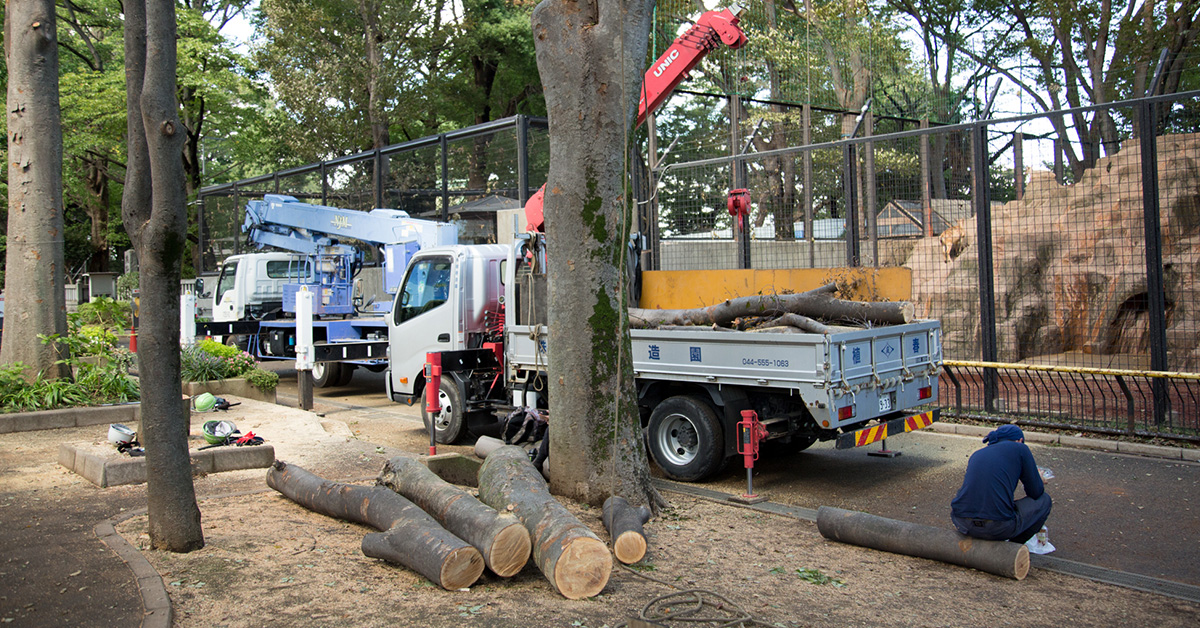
x=1129, y=513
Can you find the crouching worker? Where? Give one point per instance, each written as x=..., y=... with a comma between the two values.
x=984, y=507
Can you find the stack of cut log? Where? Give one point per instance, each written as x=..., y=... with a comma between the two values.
x=815, y=311
x=449, y=536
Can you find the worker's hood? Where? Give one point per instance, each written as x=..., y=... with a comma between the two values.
x=1004, y=432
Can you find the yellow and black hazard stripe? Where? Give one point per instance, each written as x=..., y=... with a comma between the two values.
x=876, y=433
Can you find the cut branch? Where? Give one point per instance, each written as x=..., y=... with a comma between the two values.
x=501, y=538
x=818, y=303
x=624, y=524
x=573, y=559
x=408, y=537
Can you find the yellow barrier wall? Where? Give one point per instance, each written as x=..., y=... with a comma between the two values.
x=678, y=289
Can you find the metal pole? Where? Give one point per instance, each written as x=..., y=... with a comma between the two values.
x=1019, y=164
x=869, y=189
x=806, y=165
x=324, y=186
x=741, y=233
x=304, y=347
x=1154, y=265
x=926, y=182
x=378, y=178
x=850, y=191
x=444, y=145
x=522, y=159
x=983, y=230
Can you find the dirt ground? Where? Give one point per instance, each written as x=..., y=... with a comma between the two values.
x=269, y=562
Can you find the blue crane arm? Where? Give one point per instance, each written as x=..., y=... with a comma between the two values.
x=283, y=222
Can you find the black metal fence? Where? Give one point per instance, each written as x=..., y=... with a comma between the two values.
x=1029, y=250
x=463, y=175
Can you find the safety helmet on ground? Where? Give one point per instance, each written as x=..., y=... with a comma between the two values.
x=216, y=432
x=204, y=402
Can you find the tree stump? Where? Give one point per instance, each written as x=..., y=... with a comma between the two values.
x=624, y=524
x=573, y=559
x=409, y=537
x=501, y=538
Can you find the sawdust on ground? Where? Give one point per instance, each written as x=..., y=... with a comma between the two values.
x=269, y=562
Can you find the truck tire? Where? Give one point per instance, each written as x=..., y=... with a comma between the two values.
x=326, y=374
x=346, y=374
x=685, y=438
x=450, y=422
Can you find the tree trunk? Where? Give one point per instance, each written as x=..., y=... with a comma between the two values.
x=624, y=524
x=35, y=300
x=573, y=559
x=156, y=220
x=590, y=56
x=408, y=537
x=814, y=303
x=501, y=538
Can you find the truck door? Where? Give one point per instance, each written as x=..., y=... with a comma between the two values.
x=422, y=319
x=225, y=296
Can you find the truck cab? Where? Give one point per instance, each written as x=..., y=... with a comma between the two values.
x=442, y=305
x=250, y=286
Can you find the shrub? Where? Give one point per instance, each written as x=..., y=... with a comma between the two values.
x=126, y=284
x=104, y=312
x=94, y=384
x=265, y=381
x=91, y=340
x=197, y=365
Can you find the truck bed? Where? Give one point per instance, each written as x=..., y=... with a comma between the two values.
x=877, y=371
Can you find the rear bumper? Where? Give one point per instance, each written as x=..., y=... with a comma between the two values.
x=895, y=427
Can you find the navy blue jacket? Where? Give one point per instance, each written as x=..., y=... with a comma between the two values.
x=991, y=479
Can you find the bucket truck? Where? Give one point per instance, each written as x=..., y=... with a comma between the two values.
x=254, y=302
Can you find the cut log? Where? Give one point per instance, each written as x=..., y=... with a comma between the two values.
x=501, y=538
x=1001, y=558
x=409, y=537
x=624, y=524
x=802, y=323
x=817, y=303
x=486, y=445
x=573, y=559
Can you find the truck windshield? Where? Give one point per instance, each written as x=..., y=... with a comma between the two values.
x=225, y=283
x=425, y=288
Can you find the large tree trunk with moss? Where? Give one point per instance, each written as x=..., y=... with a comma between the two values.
x=590, y=55
x=33, y=265
x=156, y=220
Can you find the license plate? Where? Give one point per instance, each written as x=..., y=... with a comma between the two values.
x=885, y=403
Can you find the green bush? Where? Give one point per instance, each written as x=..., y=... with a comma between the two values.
x=208, y=361
x=104, y=312
x=265, y=381
x=91, y=340
x=108, y=381
x=126, y=284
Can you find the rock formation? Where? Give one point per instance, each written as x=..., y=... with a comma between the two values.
x=1070, y=266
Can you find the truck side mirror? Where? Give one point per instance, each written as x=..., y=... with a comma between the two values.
x=199, y=286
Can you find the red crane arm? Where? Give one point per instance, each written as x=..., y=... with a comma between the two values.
x=684, y=54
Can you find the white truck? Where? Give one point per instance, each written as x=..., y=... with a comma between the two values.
x=483, y=308
x=254, y=299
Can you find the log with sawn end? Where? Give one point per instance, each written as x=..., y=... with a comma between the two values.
x=624, y=524
x=818, y=303
x=571, y=557
x=500, y=537
x=408, y=537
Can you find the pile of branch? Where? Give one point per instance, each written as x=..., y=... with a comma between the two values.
x=811, y=312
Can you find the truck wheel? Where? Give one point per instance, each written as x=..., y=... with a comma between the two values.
x=326, y=374
x=450, y=422
x=685, y=439
x=346, y=374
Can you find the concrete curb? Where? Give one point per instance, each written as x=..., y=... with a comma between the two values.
x=72, y=417
x=156, y=604
x=1078, y=442
x=115, y=470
